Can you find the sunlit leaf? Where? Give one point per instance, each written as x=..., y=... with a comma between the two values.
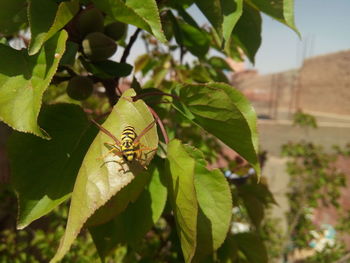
x=222, y=14
x=224, y=112
x=142, y=14
x=180, y=176
x=103, y=174
x=45, y=181
x=281, y=10
x=46, y=18
x=119, y=202
x=215, y=206
x=23, y=80
x=148, y=10
x=204, y=231
x=130, y=226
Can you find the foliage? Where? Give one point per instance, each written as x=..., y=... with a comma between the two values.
x=316, y=182
x=304, y=120
x=167, y=208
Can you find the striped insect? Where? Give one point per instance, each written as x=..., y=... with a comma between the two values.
x=129, y=147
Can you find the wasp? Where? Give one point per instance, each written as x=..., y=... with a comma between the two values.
x=129, y=147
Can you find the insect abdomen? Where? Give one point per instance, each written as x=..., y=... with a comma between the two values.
x=127, y=143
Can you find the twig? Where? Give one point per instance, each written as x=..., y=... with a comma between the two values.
x=110, y=85
x=160, y=93
x=161, y=126
x=182, y=53
x=128, y=47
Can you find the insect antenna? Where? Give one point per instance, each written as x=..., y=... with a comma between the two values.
x=106, y=132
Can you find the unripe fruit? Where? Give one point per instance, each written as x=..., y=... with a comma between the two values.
x=90, y=20
x=97, y=46
x=116, y=30
x=79, y=87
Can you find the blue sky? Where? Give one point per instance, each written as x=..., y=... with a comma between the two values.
x=323, y=24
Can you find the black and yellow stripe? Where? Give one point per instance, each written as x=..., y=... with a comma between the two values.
x=128, y=133
x=127, y=143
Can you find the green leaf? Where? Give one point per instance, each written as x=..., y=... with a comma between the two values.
x=256, y=198
x=254, y=206
x=181, y=3
x=228, y=252
x=189, y=35
x=252, y=247
x=107, y=69
x=142, y=14
x=281, y=10
x=224, y=112
x=247, y=33
x=219, y=63
x=44, y=171
x=46, y=19
x=13, y=14
x=70, y=53
x=141, y=62
x=119, y=202
x=148, y=9
x=103, y=174
x=200, y=74
x=180, y=176
x=130, y=226
x=23, y=80
x=222, y=14
x=212, y=193
x=194, y=39
x=215, y=203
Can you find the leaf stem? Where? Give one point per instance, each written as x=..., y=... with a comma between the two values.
x=161, y=126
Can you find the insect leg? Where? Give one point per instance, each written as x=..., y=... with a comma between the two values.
x=114, y=149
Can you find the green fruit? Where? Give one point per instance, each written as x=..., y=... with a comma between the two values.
x=80, y=88
x=97, y=46
x=90, y=20
x=116, y=30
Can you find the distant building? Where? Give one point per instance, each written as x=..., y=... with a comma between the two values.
x=321, y=87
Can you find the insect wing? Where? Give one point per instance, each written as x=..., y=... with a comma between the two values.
x=138, y=138
x=106, y=132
